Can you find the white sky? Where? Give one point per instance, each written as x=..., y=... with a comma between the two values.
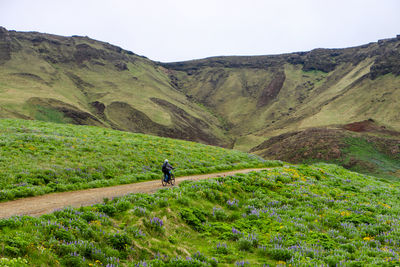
x=176, y=30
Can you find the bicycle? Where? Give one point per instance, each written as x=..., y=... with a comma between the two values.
x=170, y=181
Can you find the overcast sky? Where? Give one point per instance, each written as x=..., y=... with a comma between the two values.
x=176, y=30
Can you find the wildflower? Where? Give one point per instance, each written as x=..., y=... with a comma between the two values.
x=368, y=238
x=345, y=213
x=157, y=221
x=235, y=231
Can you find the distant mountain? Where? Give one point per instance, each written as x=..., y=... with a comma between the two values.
x=238, y=101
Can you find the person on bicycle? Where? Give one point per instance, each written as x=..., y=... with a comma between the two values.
x=166, y=169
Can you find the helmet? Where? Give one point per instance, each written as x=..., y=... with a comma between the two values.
x=166, y=160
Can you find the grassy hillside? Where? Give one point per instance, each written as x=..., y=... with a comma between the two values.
x=297, y=216
x=226, y=101
x=264, y=96
x=363, y=147
x=300, y=100
x=39, y=157
x=235, y=102
x=83, y=81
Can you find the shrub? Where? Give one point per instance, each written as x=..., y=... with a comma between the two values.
x=219, y=214
x=73, y=260
x=119, y=241
x=122, y=206
x=63, y=234
x=89, y=216
x=222, y=249
x=108, y=209
x=244, y=244
x=11, y=251
x=17, y=262
x=280, y=253
x=194, y=218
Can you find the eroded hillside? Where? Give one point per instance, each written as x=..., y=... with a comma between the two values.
x=237, y=102
x=82, y=81
x=263, y=96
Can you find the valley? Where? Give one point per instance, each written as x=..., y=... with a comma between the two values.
x=84, y=118
x=235, y=102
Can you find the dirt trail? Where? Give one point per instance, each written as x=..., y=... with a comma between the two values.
x=35, y=206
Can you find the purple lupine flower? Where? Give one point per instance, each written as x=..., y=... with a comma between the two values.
x=156, y=221
x=235, y=231
x=233, y=203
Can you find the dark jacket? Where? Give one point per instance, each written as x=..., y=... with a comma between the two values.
x=166, y=167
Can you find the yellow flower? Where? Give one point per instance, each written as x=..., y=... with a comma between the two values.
x=368, y=238
x=345, y=213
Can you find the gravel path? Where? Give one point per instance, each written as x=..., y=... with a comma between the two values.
x=35, y=206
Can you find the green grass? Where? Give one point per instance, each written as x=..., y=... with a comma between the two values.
x=41, y=157
x=300, y=215
x=50, y=115
x=370, y=159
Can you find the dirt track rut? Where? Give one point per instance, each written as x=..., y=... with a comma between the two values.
x=35, y=206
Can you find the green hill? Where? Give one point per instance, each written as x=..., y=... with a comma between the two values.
x=264, y=96
x=299, y=216
x=83, y=81
x=236, y=102
x=41, y=157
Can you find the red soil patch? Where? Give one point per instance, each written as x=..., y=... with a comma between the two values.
x=369, y=126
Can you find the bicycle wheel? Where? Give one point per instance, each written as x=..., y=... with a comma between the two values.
x=164, y=183
x=172, y=181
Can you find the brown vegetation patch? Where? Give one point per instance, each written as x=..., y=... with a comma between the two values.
x=79, y=83
x=186, y=126
x=5, y=46
x=272, y=90
x=130, y=119
x=314, y=143
x=99, y=108
x=6, y=113
x=86, y=52
x=30, y=76
x=369, y=126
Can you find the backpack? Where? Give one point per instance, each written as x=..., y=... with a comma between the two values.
x=164, y=167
